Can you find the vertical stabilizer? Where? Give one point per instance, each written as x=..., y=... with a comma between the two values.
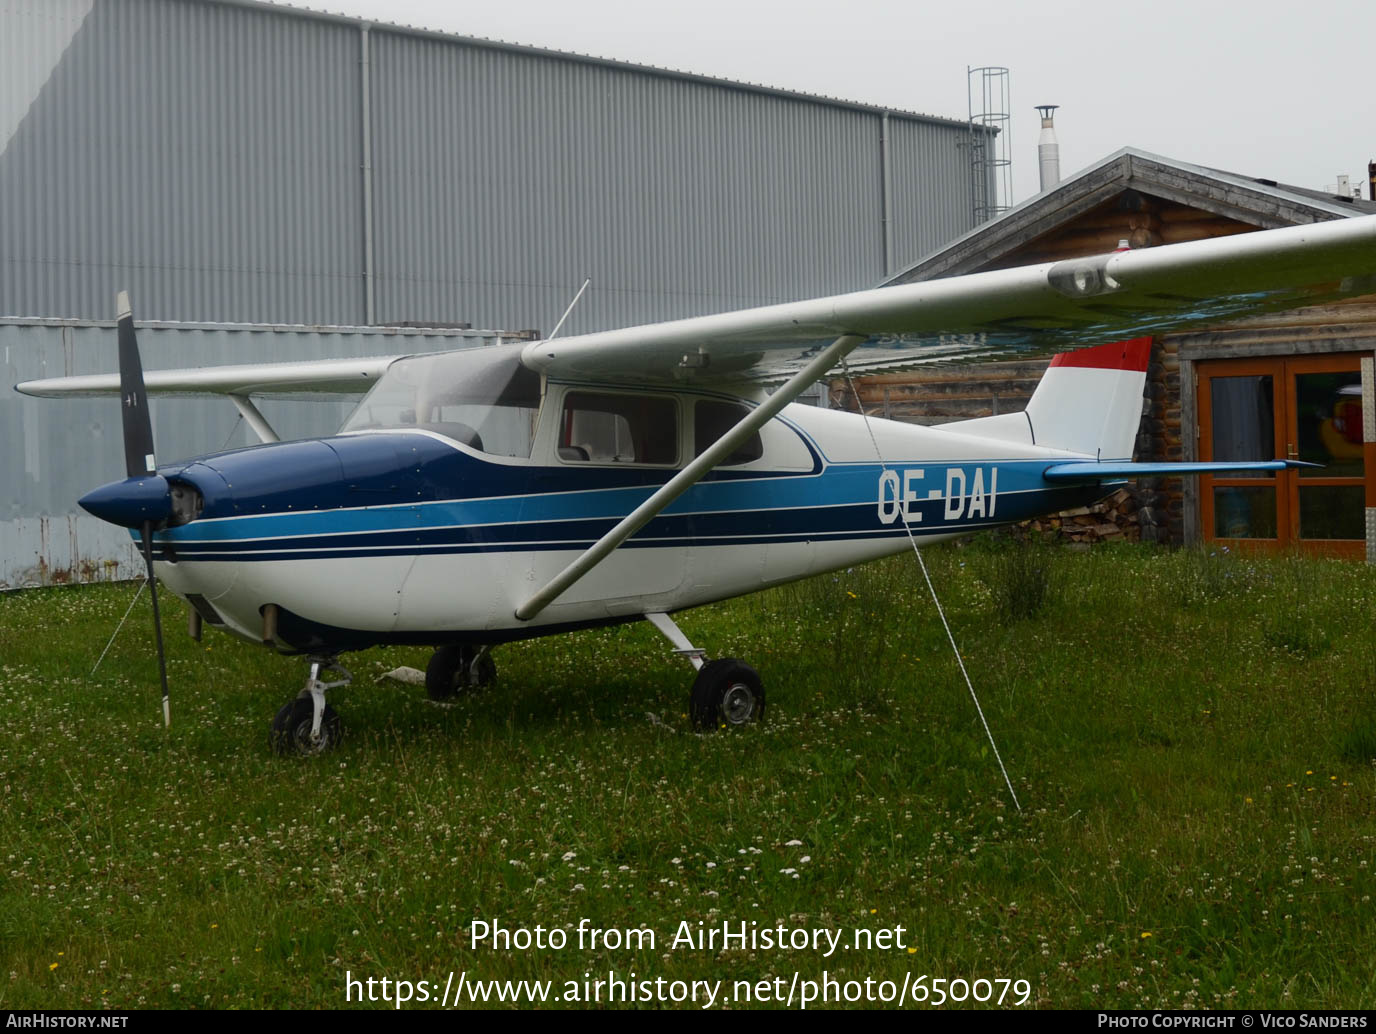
x=1090, y=401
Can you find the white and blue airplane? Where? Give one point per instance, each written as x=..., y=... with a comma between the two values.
x=482, y=496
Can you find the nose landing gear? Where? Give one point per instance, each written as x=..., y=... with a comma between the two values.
x=308, y=726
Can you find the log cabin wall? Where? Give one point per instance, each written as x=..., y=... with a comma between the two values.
x=939, y=395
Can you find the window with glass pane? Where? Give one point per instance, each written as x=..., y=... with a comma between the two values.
x=1328, y=411
x=1244, y=420
x=601, y=428
x=1245, y=512
x=484, y=398
x=713, y=419
x=1332, y=511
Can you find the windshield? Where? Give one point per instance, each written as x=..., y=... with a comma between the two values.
x=482, y=397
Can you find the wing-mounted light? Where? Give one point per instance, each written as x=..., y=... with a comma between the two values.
x=698, y=360
x=1083, y=278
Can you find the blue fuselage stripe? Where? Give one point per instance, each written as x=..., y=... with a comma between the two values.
x=839, y=501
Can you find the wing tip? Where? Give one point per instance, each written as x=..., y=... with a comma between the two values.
x=123, y=310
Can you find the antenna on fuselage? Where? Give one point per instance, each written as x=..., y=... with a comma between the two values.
x=555, y=332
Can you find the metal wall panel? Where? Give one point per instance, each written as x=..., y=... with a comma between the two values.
x=35, y=36
x=931, y=192
x=209, y=157
x=52, y=451
x=676, y=197
x=205, y=156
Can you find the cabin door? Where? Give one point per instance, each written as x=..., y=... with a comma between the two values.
x=1298, y=407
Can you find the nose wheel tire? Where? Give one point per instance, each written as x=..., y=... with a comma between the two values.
x=291, y=729
x=457, y=668
x=727, y=693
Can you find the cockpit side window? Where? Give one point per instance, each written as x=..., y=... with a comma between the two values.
x=607, y=428
x=712, y=419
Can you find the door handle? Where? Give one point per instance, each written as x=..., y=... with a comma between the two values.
x=1290, y=452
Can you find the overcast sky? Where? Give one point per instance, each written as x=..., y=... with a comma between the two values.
x=1264, y=88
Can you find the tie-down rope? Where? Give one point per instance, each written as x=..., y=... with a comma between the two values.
x=845, y=369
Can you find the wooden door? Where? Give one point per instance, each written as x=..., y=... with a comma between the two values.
x=1299, y=407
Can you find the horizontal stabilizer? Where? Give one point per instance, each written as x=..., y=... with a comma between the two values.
x=1112, y=471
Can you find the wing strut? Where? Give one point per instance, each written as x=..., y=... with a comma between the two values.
x=253, y=416
x=689, y=475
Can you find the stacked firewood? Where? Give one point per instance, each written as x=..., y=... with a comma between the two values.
x=1113, y=519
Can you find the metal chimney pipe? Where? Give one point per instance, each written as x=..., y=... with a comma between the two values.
x=1048, y=149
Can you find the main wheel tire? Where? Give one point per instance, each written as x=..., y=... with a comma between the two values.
x=451, y=671
x=291, y=729
x=726, y=693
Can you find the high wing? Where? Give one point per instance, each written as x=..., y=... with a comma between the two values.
x=1031, y=309
x=324, y=376
x=236, y=383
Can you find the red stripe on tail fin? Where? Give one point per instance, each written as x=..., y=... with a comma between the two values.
x=1120, y=355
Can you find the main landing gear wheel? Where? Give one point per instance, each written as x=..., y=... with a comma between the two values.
x=727, y=692
x=291, y=729
x=456, y=669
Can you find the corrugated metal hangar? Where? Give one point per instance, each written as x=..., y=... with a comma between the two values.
x=231, y=162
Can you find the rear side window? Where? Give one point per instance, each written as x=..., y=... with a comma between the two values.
x=599, y=428
x=711, y=420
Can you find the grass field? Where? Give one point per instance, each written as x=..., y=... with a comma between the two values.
x=1191, y=736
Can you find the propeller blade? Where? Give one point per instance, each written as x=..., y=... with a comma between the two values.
x=147, y=534
x=138, y=426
